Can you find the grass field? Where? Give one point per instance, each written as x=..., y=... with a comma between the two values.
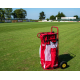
x=19, y=45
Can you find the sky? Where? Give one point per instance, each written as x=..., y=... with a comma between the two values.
x=33, y=13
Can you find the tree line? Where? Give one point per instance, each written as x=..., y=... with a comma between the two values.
x=52, y=17
x=21, y=13
x=8, y=12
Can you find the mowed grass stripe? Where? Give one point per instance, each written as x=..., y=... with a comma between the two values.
x=8, y=27
x=69, y=38
x=69, y=27
x=14, y=51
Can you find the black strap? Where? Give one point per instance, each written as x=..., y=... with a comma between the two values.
x=47, y=38
x=44, y=38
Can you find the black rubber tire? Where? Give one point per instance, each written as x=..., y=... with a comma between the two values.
x=63, y=64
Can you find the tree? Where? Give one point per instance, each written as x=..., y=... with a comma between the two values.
x=47, y=19
x=76, y=16
x=14, y=15
x=59, y=15
x=62, y=15
x=2, y=12
x=52, y=17
x=42, y=15
x=19, y=13
x=8, y=12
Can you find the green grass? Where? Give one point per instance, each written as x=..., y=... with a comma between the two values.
x=19, y=45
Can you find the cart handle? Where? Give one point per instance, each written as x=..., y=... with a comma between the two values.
x=54, y=27
x=38, y=35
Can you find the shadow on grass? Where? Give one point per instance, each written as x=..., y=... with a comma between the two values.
x=66, y=57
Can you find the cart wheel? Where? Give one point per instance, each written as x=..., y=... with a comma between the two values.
x=63, y=64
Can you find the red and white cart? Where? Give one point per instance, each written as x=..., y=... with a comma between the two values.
x=49, y=50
